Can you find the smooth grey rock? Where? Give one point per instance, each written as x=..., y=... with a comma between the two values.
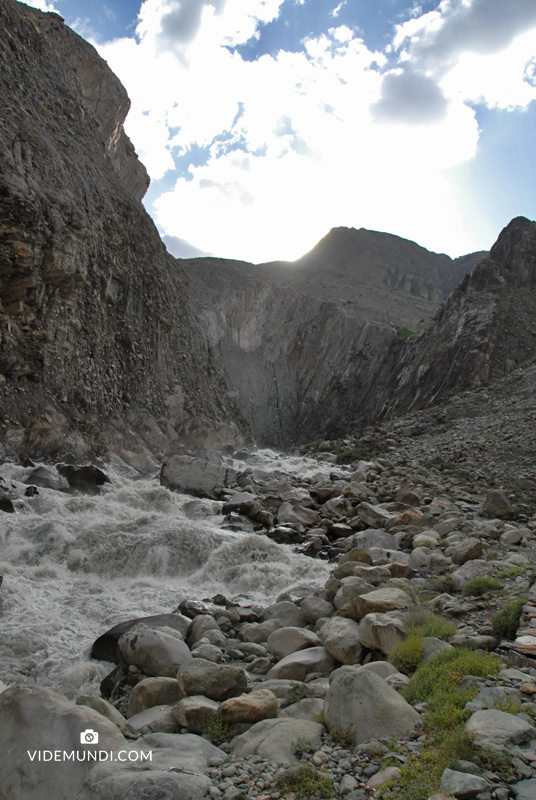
x=253, y=707
x=375, y=516
x=351, y=588
x=381, y=632
x=491, y=697
x=157, y=719
x=297, y=666
x=433, y=646
x=194, y=712
x=277, y=739
x=313, y=608
x=285, y=641
x=340, y=637
x=153, y=692
x=296, y=514
x=258, y=632
x=381, y=600
x=216, y=681
x=110, y=712
x=381, y=668
x=199, y=627
x=156, y=652
x=105, y=647
x=498, y=730
x=375, y=538
x=462, y=785
x=196, y=476
x=308, y=708
x=526, y=790
x=288, y=614
x=467, y=550
x=364, y=703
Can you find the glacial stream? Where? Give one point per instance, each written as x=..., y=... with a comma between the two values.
x=74, y=565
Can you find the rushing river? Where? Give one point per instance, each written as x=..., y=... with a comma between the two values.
x=75, y=565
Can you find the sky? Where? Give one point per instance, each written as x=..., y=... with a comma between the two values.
x=265, y=123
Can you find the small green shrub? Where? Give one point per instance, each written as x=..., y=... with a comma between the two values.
x=216, y=729
x=505, y=622
x=513, y=572
x=304, y=781
x=403, y=333
x=343, y=736
x=444, y=672
x=476, y=587
x=421, y=622
x=303, y=747
x=319, y=718
x=408, y=654
x=297, y=693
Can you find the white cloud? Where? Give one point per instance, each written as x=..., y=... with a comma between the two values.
x=42, y=5
x=302, y=141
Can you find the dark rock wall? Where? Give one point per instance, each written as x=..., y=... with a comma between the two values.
x=485, y=330
x=96, y=323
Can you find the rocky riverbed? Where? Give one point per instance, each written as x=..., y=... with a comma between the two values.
x=248, y=637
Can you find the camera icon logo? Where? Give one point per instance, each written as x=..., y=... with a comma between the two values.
x=89, y=737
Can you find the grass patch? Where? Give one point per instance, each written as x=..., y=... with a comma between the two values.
x=407, y=655
x=403, y=333
x=319, y=718
x=297, y=693
x=513, y=572
x=437, y=684
x=343, y=736
x=305, y=781
x=505, y=622
x=216, y=729
x=477, y=587
x=421, y=622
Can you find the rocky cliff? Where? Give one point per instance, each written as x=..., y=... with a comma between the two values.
x=307, y=346
x=98, y=341
x=484, y=331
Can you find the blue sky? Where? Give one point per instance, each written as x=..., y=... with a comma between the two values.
x=264, y=123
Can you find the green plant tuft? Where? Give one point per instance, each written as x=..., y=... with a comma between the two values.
x=343, y=736
x=296, y=694
x=444, y=672
x=476, y=587
x=217, y=730
x=403, y=333
x=304, y=781
x=505, y=622
x=421, y=622
x=407, y=655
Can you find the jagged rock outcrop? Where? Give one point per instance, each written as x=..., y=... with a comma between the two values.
x=484, y=331
x=307, y=346
x=99, y=346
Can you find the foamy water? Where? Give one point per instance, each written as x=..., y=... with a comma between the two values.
x=74, y=565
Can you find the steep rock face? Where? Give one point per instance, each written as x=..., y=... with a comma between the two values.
x=307, y=346
x=485, y=330
x=98, y=341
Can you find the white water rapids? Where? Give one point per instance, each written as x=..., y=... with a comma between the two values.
x=74, y=565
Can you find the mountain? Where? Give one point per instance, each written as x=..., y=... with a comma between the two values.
x=99, y=345
x=307, y=345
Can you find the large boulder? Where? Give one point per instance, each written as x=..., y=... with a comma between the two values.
x=381, y=601
x=217, y=681
x=109, y=711
x=258, y=632
x=194, y=712
x=296, y=514
x=340, y=637
x=375, y=538
x=314, y=608
x=298, y=665
x=309, y=708
x=288, y=640
x=375, y=516
x=199, y=627
x=196, y=476
x=153, y=692
x=381, y=632
x=362, y=702
x=497, y=504
x=278, y=739
x=252, y=707
x=155, y=652
x=467, y=550
x=497, y=730
x=288, y=614
x=462, y=785
x=351, y=588
x=105, y=647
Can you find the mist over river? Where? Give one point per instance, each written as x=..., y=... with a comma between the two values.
x=74, y=565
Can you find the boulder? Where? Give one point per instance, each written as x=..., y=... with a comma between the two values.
x=282, y=688
x=381, y=668
x=420, y=558
x=105, y=647
x=194, y=712
x=433, y=646
x=196, y=476
x=216, y=681
x=258, y=632
x=497, y=505
x=526, y=790
x=158, y=719
x=46, y=478
x=241, y=503
x=314, y=608
x=155, y=652
x=468, y=550
x=288, y=614
x=340, y=637
x=351, y=588
x=491, y=697
x=285, y=641
x=374, y=575
x=199, y=627
x=253, y=707
x=462, y=785
x=86, y=479
x=308, y=708
x=375, y=538
x=471, y=569
x=497, y=730
x=207, y=651
x=380, y=632
x=381, y=601
x=365, y=704
x=296, y=514
x=153, y=692
x=278, y=739
x=375, y=516
x=110, y=712
x=298, y=665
